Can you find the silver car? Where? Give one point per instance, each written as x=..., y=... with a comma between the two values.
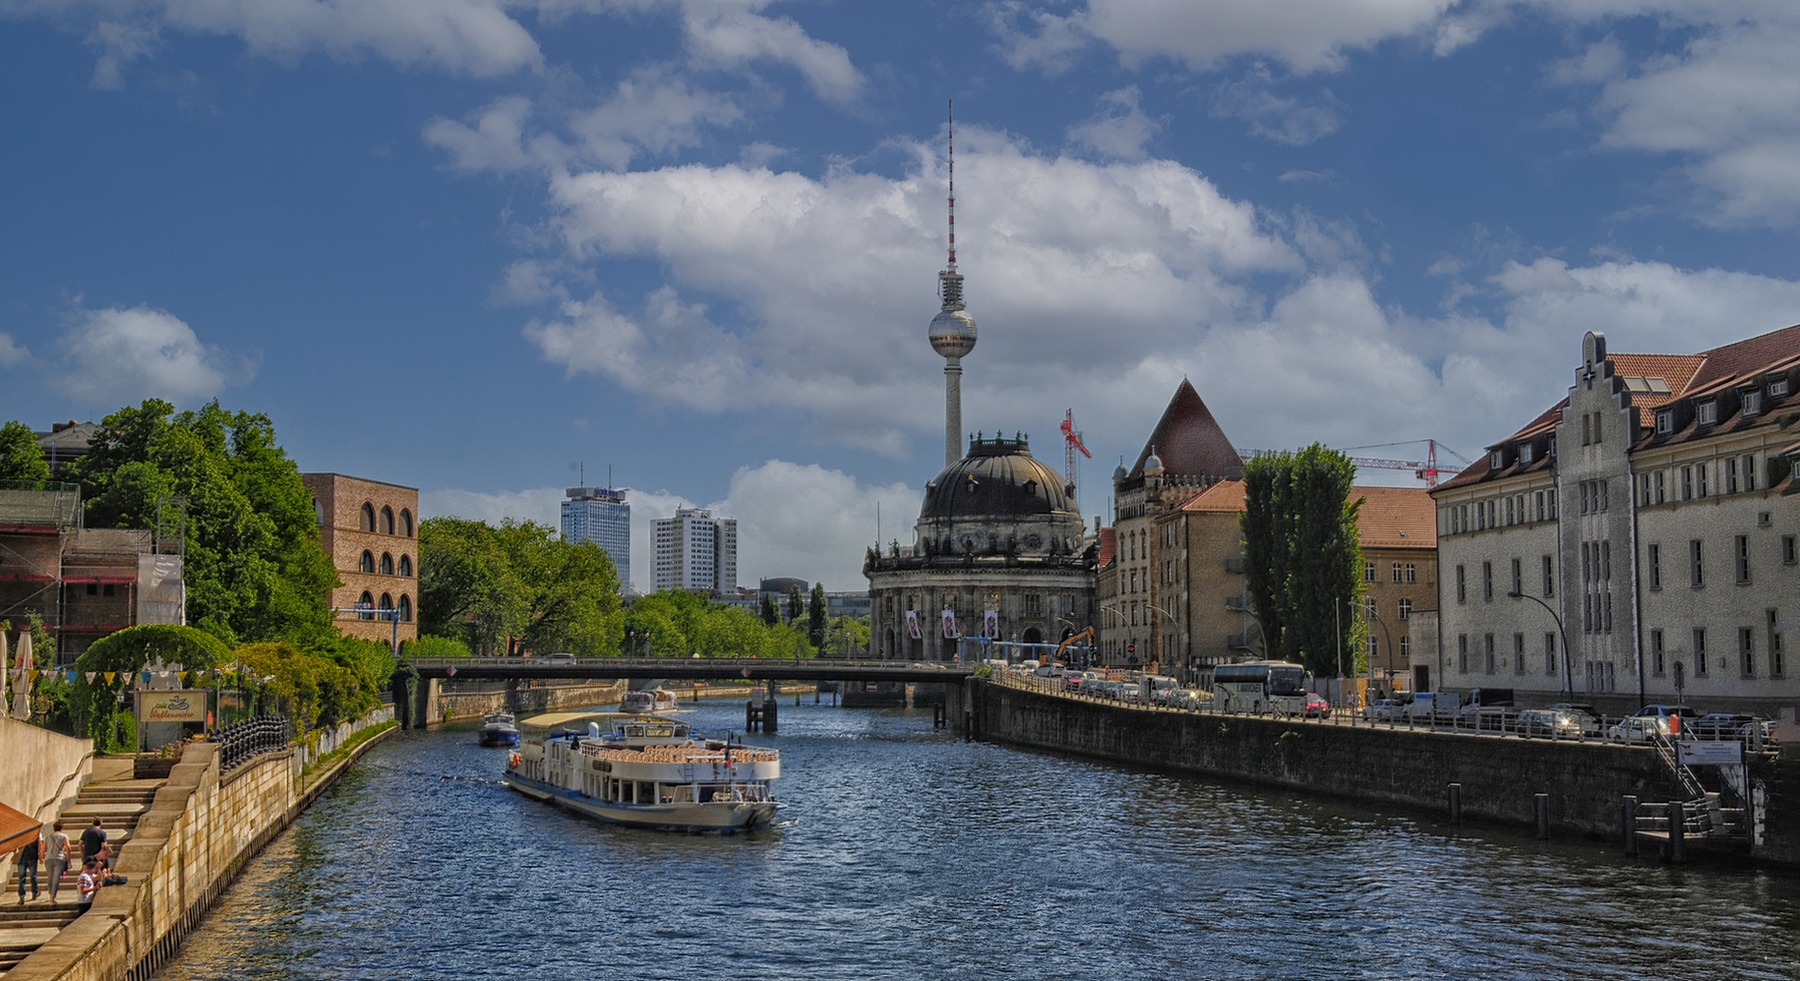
x=1639, y=730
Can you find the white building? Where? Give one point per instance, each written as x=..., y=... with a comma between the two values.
x=601, y=515
x=1654, y=512
x=696, y=552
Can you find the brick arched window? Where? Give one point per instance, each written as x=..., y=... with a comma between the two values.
x=368, y=517
x=366, y=602
x=406, y=566
x=406, y=524
x=387, y=521
x=405, y=608
x=387, y=602
x=387, y=564
x=368, y=562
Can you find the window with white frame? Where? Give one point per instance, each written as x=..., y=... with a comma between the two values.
x=1706, y=412
x=1406, y=609
x=1665, y=423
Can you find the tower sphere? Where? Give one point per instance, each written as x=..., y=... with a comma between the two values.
x=952, y=333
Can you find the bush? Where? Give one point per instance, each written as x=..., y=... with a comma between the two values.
x=435, y=647
x=99, y=706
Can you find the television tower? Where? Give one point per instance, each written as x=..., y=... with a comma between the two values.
x=952, y=330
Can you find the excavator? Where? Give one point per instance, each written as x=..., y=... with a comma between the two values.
x=1073, y=639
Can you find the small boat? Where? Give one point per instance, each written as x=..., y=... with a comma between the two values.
x=651, y=701
x=498, y=729
x=650, y=773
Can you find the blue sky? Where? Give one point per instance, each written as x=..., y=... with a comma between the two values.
x=468, y=244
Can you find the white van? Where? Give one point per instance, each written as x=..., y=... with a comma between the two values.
x=1426, y=704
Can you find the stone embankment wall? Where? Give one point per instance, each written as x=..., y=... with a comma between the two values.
x=442, y=706
x=1499, y=777
x=44, y=771
x=200, y=830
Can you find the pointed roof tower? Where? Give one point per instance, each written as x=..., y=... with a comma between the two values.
x=1189, y=442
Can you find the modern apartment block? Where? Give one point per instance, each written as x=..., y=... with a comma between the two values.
x=696, y=552
x=601, y=515
x=1636, y=542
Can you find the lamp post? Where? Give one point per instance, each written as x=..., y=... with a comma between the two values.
x=1568, y=676
x=1389, y=634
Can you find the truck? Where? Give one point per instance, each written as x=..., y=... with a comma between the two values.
x=1486, y=708
x=1428, y=706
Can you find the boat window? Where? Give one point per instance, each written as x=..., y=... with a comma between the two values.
x=646, y=792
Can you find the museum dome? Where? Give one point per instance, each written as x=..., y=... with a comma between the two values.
x=998, y=479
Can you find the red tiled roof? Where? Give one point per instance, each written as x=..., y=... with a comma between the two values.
x=1226, y=496
x=1189, y=441
x=1396, y=517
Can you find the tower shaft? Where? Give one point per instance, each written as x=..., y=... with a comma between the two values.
x=952, y=411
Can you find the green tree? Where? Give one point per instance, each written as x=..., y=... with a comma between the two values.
x=518, y=588
x=846, y=637
x=816, y=616
x=20, y=456
x=100, y=708
x=796, y=603
x=467, y=585
x=771, y=613
x=1301, y=555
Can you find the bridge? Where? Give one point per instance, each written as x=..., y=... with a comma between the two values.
x=689, y=669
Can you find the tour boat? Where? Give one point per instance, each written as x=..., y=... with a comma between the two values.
x=650, y=773
x=498, y=729
x=652, y=701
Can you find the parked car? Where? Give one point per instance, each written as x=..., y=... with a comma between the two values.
x=559, y=658
x=1585, y=715
x=1639, y=729
x=1760, y=734
x=1717, y=725
x=1384, y=710
x=1316, y=706
x=1548, y=722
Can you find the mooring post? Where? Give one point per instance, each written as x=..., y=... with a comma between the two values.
x=750, y=716
x=1629, y=806
x=1542, y=803
x=968, y=726
x=771, y=718
x=1678, y=832
x=1456, y=804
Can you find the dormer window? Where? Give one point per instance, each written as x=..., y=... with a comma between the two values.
x=1706, y=413
x=1665, y=423
x=1778, y=387
x=1524, y=452
x=1497, y=459
x=1752, y=402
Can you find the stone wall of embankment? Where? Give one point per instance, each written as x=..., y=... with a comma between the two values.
x=43, y=771
x=449, y=705
x=198, y=833
x=1499, y=777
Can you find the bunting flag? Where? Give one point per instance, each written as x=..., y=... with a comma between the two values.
x=110, y=675
x=90, y=676
x=181, y=676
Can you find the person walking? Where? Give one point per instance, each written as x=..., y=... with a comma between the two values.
x=28, y=865
x=57, y=861
x=92, y=841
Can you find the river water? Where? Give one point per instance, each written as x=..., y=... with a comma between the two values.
x=918, y=856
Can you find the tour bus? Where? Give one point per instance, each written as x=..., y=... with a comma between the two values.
x=1260, y=686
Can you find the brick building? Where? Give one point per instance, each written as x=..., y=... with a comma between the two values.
x=370, y=530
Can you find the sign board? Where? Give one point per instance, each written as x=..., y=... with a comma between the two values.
x=1720, y=752
x=171, y=706
x=1131, y=648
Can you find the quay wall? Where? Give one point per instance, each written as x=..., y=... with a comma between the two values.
x=44, y=771
x=452, y=706
x=199, y=831
x=1373, y=765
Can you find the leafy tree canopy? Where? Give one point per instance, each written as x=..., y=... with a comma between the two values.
x=517, y=587
x=1302, y=555
x=20, y=456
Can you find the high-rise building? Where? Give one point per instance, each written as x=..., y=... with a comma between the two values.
x=696, y=552
x=600, y=515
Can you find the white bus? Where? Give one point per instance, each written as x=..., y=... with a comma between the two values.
x=1260, y=686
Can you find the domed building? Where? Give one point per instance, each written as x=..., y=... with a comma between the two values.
x=998, y=552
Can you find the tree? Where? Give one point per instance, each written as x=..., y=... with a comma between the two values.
x=98, y=706
x=518, y=587
x=796, y=603
x=20, y=456
x=846, y=637
x=816, y=616
x=1301, y=555
x=771, y=613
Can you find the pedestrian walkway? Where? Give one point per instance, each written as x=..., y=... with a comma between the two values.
x=118, y=800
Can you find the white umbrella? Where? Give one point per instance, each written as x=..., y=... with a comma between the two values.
x=22, y=678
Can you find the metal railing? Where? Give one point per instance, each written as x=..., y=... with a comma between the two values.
x=244, y=741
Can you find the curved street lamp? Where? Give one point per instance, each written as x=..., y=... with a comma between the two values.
x=1568, y=676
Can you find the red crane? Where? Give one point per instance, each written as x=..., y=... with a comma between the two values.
x=1426, y=470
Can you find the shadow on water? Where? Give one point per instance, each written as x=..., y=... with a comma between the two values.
x=917, y=855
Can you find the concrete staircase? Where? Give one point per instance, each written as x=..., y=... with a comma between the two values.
x=118, y=801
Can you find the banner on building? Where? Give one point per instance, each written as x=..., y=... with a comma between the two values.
x=171, y=706
x=990, y=624
x=912, y=625
x=950, y=624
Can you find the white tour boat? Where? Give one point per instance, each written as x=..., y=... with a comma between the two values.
x=651, y=701
x=650, y=773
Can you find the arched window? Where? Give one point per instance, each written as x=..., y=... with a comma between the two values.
x=368, y=562
x=387, y=564
x=368, y=516
x=319, y=512
x=406, y=566
x=405, y=608
x=387, y=521
x=366, y=602
x=406, y=527
x=387, y=602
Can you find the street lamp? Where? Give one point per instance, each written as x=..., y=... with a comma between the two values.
x=1568, y=676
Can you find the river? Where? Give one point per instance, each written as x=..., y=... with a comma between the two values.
x=918, y=856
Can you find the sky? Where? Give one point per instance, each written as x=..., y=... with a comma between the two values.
x=488, y=247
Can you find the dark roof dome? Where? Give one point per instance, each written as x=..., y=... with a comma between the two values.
x=999, y=478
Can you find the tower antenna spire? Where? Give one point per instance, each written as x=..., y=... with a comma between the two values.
x=950, y=139
x=952, y=331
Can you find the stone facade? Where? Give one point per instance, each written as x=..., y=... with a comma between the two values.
x=370, y=530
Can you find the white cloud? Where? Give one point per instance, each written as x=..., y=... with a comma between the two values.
x=1120, y=129
x=540, y=504
x=729, y=36
x=117, y=356
x=116, y=45
x=654, y=111
x=11, y=352
x=1283, y=119
x=1305, y=35
x=492, y=139
x=807, y=521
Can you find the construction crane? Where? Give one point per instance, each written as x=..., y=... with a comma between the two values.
x=1426, y=470
x=1071, y=443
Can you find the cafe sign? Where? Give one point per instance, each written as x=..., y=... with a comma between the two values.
x=172, y=706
